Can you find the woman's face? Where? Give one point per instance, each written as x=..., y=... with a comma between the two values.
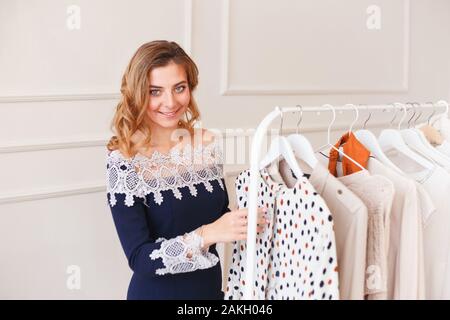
x=169, y=95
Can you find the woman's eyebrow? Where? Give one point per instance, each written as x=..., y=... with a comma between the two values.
x=177, y=84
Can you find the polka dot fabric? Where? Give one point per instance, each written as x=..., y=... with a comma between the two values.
x=296, y=253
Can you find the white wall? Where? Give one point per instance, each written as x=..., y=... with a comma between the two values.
x=59, y=87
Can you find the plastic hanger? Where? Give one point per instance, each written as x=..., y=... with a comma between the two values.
x=329, y=145
x=443, y=114
x=391, y=139
x=442, y=145
x=301, y=146
x=419, y=143
x=280, y=147
x=356, y=116
x=416, y=140
x=434, y=112
x=370, y=141
x=432, y=135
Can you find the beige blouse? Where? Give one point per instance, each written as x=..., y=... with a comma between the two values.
x=406, y=276
x=377, y=193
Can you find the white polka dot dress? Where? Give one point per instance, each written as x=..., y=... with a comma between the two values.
x=296, y=253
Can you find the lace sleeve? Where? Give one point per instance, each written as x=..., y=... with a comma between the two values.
x=150, y=257
x=183, y=254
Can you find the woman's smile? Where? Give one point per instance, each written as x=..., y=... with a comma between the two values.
x=170, y=114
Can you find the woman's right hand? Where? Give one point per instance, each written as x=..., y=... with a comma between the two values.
x=232, y=226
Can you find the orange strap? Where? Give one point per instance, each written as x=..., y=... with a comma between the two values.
x=352, y=148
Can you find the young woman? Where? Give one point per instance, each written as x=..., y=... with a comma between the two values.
x=165, y=182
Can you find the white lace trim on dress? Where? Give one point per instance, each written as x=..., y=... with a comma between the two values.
x=181, y=167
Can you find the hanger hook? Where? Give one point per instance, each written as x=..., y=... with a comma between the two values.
x=369, y=116
x=440, y=103
x=280, y=112
x=356, y=115
x=434, y=112
x=329, y=106
x=419, y=107
x=403, y=106
x=391, y=124
x=414, y=113
x=301, y=116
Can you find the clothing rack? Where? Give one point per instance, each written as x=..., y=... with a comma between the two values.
x=255, y=158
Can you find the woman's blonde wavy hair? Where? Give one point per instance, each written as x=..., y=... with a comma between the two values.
x=131, y=111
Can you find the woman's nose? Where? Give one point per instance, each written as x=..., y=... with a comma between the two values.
x=169, y=100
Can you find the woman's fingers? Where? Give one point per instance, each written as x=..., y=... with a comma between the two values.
x=242, y=236
x=259, y=227
x=262, y=221
x=261, y=218
x=242, y=222
x=243, y=214
x=241, y=230
x=242, y=233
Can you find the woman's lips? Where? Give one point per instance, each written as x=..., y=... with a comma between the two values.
x=169, y=114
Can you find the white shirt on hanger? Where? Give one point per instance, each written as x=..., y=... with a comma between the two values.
x=296, y=253
x=350, y=224
x=436, y=226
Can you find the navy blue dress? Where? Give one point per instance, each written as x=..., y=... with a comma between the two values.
x=156, y=203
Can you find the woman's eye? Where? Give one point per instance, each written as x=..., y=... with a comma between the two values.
x=180, y=89
x=154, y=92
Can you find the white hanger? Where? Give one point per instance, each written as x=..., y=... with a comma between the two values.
x=413, y=140
x=301, y=146
x=444, y=148
x=417, y=141
x=391, y=139
x=280, y=147
x=329, y=145
x=445, y=103
x=444, y=114
x=370, y=141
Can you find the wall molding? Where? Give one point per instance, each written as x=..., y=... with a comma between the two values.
x=53, y=192
x=49, y=144
x=60, y=97
x=188, y=21
x=78, y=96
x=228, y=89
